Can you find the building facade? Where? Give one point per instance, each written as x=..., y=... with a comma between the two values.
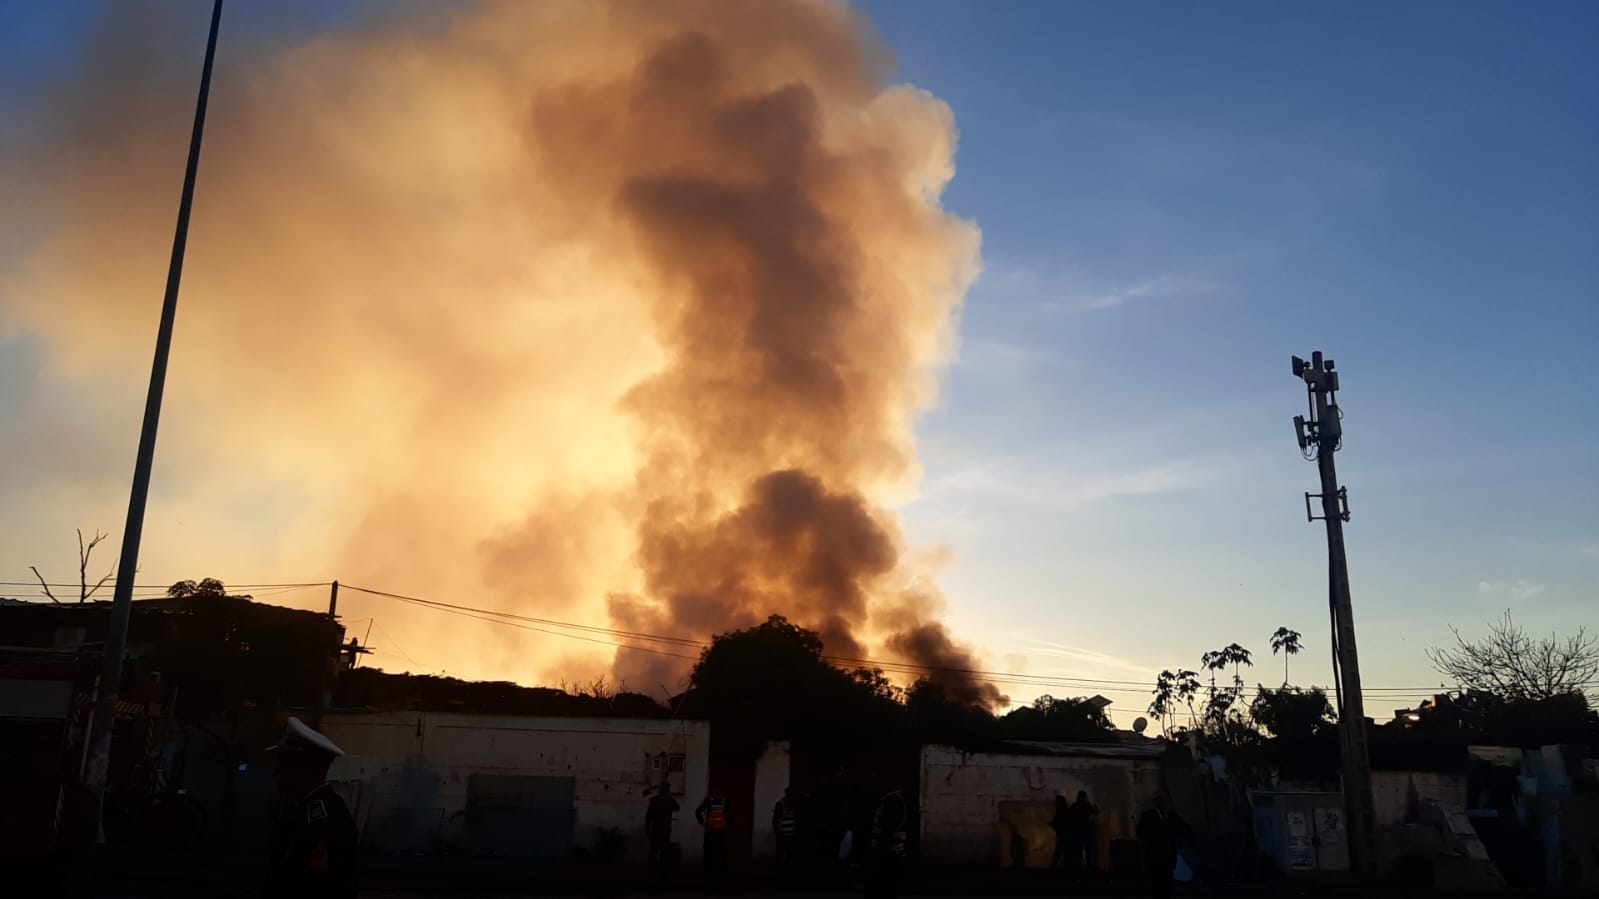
x=995, y=808
x=516, y=785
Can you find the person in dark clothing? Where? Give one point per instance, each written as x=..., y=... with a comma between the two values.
x=314, y=843
x=1159, y=829
x=786, y=829
x=888, y=847
x=658, y=830
x=713, y=817
x=1072, y=825
x=1080, y=831
x=1060, y=823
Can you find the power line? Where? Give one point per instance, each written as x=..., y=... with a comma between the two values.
x=495, y=616
x=998, y=678
x=549, y=622
x=397, y=647
x=164, y=587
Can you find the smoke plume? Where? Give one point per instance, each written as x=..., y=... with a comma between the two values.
x=578, y=309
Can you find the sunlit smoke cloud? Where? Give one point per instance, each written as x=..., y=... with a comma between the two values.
x=582, y=309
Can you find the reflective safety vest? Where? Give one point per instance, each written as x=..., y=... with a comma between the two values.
x=716, y=815
x=787, y=824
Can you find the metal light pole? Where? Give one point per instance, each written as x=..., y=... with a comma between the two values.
x=1320, y=437
x=116, y=641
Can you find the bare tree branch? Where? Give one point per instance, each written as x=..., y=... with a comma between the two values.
x=84, y=552
x=1509, y=663
x=43, y=585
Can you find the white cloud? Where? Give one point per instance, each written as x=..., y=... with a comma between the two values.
x=1516, y=591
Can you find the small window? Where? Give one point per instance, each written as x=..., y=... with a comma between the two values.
x=669, y=767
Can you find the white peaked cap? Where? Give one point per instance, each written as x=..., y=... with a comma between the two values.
x=297, y=735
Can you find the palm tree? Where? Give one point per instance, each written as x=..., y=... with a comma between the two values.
x=1286, y=642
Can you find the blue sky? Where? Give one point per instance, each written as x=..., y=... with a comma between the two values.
x=1174, y=199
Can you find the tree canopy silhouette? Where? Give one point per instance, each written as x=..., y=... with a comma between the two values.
x=771, y=682
x=206, y=587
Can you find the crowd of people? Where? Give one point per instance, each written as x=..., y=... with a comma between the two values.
x=835, y=833
x=828, y=836
x=816, y=835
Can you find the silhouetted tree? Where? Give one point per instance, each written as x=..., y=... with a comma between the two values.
x=84, y=552
x=936, y=717
x=770, y=682
x=1172, y=690
x=1303, y=734
x=1221, y=700
x=1291, y=712
x=207, y=587
x=1510, y=664
x=1075, y=720
x=1286, y=642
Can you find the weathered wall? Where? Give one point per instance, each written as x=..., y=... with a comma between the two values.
x=1394, y=793
x=416, y=772
x=993, y=809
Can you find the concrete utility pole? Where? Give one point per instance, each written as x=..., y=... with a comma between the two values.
x=330, y=666
x=1319, y=438
x=116, y=640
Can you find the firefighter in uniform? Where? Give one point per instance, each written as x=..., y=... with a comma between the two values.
x=786, y=827
x=313, y=847
x=712, y=815
x=888, y=846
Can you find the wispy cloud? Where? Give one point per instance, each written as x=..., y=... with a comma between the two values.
x=1033, y=487
x=1092, y=663
x=1591, y=550
x=1516, y=591
x=1169, y=285
x=1071, y=291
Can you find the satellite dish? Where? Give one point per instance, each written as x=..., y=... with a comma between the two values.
x=1140, y=724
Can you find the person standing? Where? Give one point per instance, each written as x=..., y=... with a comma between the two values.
x=314, y=843
x=1060, y=824
x=713, y=817
x=1159, y=829
x=1079, y=830
x=658, y=830
x=887, y=858
x=786, y=828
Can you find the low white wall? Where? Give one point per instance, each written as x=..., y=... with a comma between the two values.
x=420, y=763
x=771, y=779
x=989, y=808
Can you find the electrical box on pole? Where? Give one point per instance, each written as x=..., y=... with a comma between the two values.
x=1320, y=434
